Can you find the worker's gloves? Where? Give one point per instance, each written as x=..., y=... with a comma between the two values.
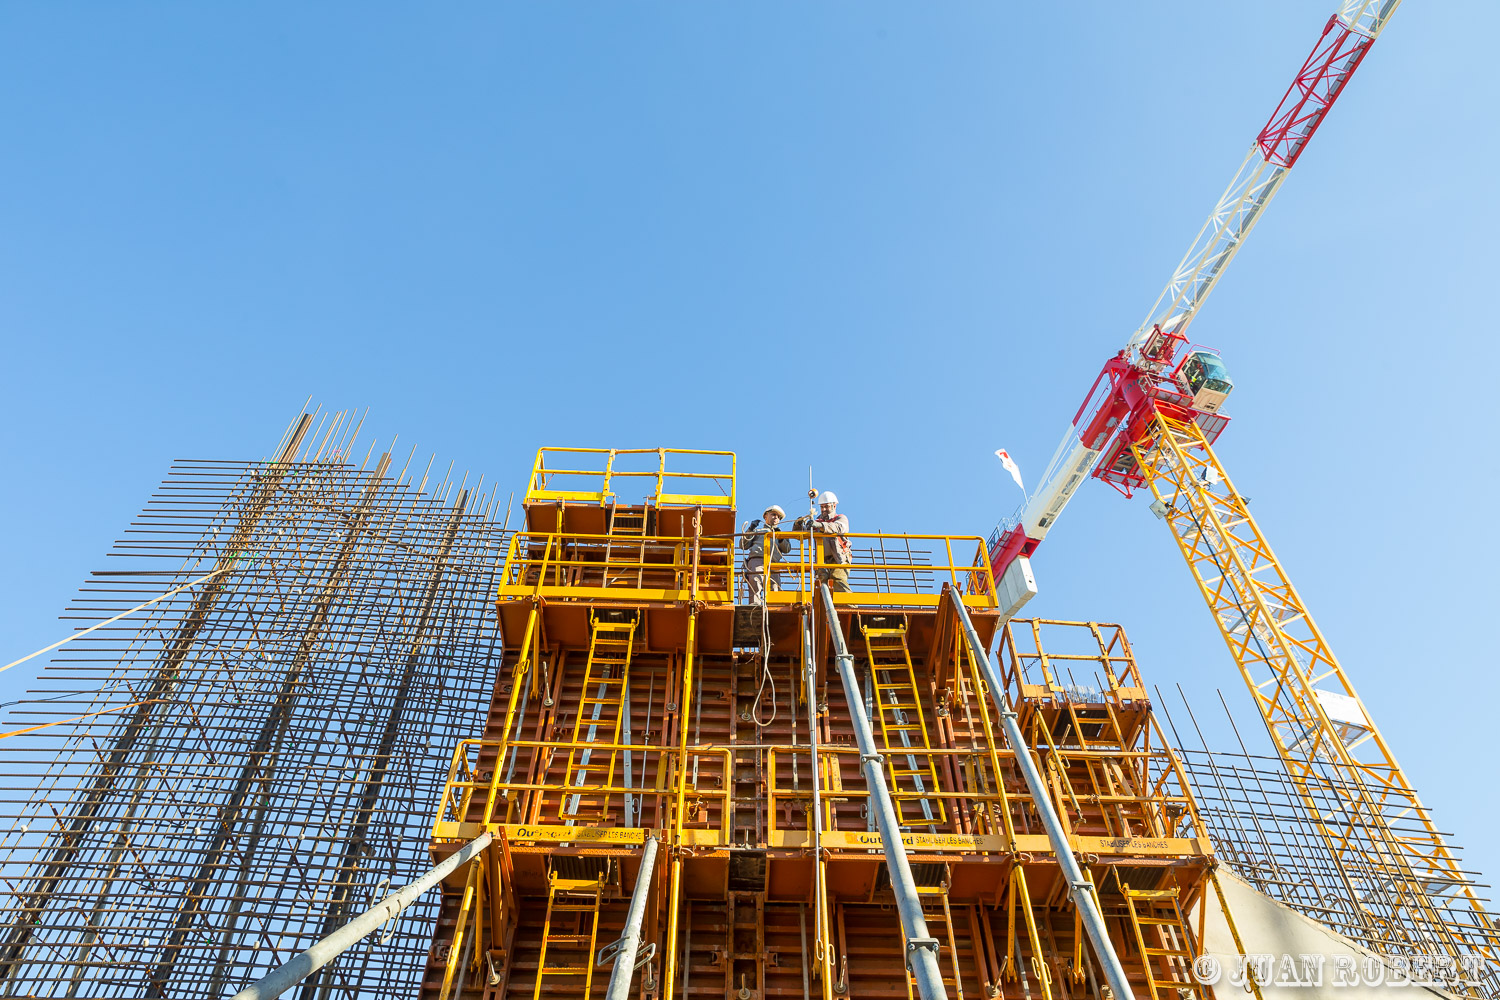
x=755, y=524
x=802, y=524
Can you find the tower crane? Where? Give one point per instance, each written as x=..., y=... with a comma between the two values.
x=1149, y=423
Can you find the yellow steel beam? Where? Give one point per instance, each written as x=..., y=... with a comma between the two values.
x=679, y=796
x=523, y=665
x=455, y=950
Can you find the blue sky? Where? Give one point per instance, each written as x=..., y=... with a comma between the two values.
x=880, y=239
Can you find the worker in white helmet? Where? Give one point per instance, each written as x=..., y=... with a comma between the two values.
x=758, y=538
x=837, y=552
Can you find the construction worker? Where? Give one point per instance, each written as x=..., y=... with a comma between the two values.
x=758, y=535
x=837, y=552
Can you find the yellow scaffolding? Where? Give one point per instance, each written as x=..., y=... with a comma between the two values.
x=595, y=484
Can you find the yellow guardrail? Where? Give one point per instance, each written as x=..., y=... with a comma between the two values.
x=597, y=481
x=477, y=796
x=887, y=570
x=617, y=566
x=976, y=769
x=1160, y=809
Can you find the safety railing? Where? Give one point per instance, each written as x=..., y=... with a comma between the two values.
x=1101, y=794
x=971, y=793
x=1072, y=659
x=597, y=475
x=884, y=570
x=618, y=566
x=485, y=791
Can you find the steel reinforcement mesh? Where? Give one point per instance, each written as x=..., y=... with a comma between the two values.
x=225, y=777
x=1258, y=819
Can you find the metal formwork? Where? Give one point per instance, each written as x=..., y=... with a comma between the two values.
x=724, y=730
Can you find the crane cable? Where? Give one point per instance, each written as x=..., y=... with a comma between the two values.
x=123, y=614
x=766, y=562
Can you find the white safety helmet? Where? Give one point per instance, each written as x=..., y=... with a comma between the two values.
x=827, y=496
x=773, y=509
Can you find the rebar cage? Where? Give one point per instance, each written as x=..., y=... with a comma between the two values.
x=212, y=785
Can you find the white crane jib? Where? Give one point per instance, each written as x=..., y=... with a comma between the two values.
x=1346, y=38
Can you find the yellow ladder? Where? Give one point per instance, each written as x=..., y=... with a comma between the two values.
x=580, y=898
x=627, y=532
x=1155, y=914
x=599, y=720
x=903, y=727
x=939, y=925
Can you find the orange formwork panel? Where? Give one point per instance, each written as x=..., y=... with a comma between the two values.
x=639, y=696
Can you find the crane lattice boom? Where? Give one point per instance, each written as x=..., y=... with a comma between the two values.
x=1149, y=422
x=1341, y=47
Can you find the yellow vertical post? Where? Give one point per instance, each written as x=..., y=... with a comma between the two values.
x=686, y=701
x=1038, y=963
x=674, y=895
x=679, y=800
x=609, y=468
x=455, y=951
x=991, y=744
x=523, y=665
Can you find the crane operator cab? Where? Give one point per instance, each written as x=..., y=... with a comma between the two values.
x=1203, y=376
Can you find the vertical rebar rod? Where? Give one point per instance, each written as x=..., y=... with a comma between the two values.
x=374, y=783
x=176, y=652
